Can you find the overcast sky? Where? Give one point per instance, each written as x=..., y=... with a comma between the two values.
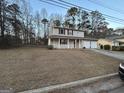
x=116, y=5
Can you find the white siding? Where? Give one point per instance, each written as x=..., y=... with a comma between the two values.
x=55, y=31
x=78, y=34
x=71, y=44
x=114, y=43
x=55, y=43
x=81, y=34
x=64, y=46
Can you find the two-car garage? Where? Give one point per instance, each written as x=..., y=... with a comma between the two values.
x=89, y=43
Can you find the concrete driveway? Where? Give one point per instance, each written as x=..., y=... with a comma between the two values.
x=116, y=54
x=118, y=90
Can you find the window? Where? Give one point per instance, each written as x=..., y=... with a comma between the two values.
x=63, y=41
x=61, y=31
x=70, y=32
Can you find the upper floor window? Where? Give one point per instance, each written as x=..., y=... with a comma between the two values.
x=61, y=31
x=70, y=32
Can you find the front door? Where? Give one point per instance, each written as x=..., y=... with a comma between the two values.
x=74, y=44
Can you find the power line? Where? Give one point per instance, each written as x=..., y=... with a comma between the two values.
x=89, y=9
x=105, y=6
x=110, y=18
x=116, y=22
x=53, y=4
x=60, y=3
x=74, y=5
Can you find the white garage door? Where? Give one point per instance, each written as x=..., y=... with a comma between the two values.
x=86, y=44
x=89, y=44
x=93, y=44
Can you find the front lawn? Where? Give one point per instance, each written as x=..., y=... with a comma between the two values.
x=30, y=68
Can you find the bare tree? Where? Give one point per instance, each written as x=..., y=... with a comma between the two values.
x=56, y=19
x=44, y=21
x=98, y=24
x=38, y=21
x=44, y=13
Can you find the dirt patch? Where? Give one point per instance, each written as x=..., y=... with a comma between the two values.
x=30, y=68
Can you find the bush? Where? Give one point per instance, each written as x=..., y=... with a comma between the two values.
x=107, y=47
x=121, y=48
x=101, y=47
x=118, y=48
x=9, y=41
x=50, y=47
x=115, y=48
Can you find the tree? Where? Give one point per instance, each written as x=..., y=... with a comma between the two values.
x=45, y=21
x=66, y=23
x=83, y=19
x=110, y=30
x=98, y=23
x=26, y=19
x=2, y=17
x=43, y=13
x=72, y=12
x=38, y=21
x=55, y=19
x=57, y=22
x=14, y=11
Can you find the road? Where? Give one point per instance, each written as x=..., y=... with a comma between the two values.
x=119, y=90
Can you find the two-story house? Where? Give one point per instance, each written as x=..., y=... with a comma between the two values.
x=61, y=37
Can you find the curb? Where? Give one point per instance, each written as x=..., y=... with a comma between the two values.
x=72, y=84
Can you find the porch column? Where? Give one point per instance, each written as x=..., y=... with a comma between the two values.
x=79, y=44
x=49, y=41
x=59, y=43
x=68, y=43
x=75, y=43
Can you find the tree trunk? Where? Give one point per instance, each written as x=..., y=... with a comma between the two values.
x=2, y=17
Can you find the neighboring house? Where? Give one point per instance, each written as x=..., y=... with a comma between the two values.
x=112, y=41
x=61, y=37
x=118, y=32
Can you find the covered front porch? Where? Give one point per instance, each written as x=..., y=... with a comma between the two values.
x=65, y=43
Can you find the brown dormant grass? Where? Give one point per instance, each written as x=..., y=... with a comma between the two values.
x=29, y=68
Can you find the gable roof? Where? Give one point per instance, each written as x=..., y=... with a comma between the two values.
x=114, y=37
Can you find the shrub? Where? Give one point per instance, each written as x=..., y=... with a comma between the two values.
x=118, y=48
x=101, y=47
x=50, y=47
x=9, y=41
x=121, y=48
x=115, y=48
x=107, y=47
